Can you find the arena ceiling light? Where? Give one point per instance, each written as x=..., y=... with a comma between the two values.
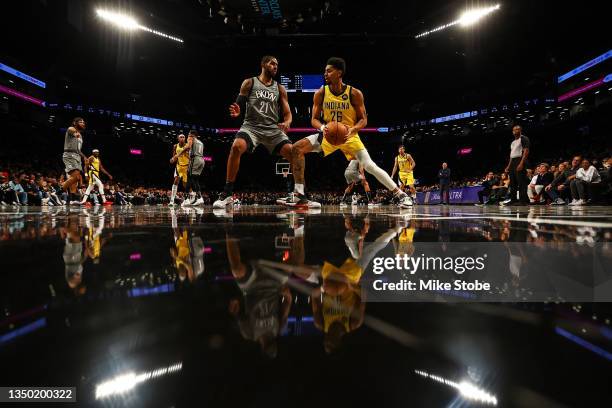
x=129, y=23
x=467, y=18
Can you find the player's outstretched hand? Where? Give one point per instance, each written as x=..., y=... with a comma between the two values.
x=284, y=126
x=173, y=160
x=325, y=131
x=351, y=131
x=234, y=110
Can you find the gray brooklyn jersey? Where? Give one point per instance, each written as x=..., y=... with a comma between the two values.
x=263, y=106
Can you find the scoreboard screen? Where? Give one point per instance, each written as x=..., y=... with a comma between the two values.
x=301, y=82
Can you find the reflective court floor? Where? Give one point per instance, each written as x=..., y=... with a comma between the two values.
x=263, y=306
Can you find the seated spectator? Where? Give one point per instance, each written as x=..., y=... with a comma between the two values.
x=501, y=190
x=581, y=185
x=488, y=183
x=20, y=194
x=542, y=178
x=7, y=195
x=560, y=186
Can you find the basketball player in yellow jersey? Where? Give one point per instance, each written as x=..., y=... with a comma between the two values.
x=405, y=239
x=337, y=102
x=182, y=164
x=338, y=305
x=94, y=166
x=406, y=164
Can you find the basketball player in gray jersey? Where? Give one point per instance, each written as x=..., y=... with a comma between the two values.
x=73, y=141
x=195, y=149
x=267, y=118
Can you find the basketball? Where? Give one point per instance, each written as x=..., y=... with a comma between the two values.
x=336, y=132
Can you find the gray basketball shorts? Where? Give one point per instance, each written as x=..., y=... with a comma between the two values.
x=196, y=166
x=272, y=139
x=72, y=161
x=351, y=174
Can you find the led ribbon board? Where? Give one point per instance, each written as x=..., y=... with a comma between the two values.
x=585, y=66
x=22, y=75
x=17, y=94
x=585, y=88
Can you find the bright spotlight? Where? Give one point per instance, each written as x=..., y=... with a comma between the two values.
x=119, y=20
x=129, y=23
x=467, y=18
x=472, y=16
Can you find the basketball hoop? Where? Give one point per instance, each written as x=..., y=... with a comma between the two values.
x=285, y=173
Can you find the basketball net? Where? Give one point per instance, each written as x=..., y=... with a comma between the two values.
x=285, y=173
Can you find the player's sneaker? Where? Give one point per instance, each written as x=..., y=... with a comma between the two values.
x=199, y=201
x=373, y=204
x=223, y=201
x=283, y=200
x=299, y=200
x=187, y=202
x=405, y=202
x=75, y=202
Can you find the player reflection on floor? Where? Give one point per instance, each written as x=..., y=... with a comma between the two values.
x=187, y=252
x=338, y=305
x=262, y=310
x=75, y=253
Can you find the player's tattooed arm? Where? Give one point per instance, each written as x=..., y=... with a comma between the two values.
x=317, y=107
x=394, y=167
x=287, y=117
x=239, y=106
x=362, y=118
x=412, y=162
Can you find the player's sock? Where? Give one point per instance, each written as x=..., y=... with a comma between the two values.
x=229, y=188
x=299, y=188
x=173, y=195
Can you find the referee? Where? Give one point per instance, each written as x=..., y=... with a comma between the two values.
x=519, y=151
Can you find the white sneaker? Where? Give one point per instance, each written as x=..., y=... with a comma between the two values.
x=405, y=202
x=223, y=201
x=199, y=201
x=186, y=203
x=579, y=202
x=574, y=201
x=283, y=200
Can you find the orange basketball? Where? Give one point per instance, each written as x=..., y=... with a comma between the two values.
x=336, y=132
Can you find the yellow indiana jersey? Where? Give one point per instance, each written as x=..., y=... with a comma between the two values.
x=338, y=108
x=94, y=166
x=339, y=308
x=404, y=164
x=93, y=241
x=182, y=250
x=407, y=235
x=405, y=239
x=184, y=159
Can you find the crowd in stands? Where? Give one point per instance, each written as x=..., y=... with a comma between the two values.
x=576, y=182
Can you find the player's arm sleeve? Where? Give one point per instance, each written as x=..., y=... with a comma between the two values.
x=243, y=96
